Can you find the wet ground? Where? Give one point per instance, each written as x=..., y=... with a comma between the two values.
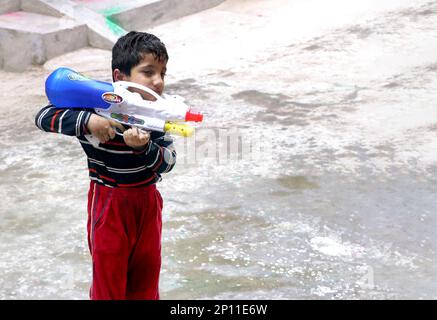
x=313, y=176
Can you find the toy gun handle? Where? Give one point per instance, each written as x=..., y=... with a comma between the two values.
x=188, y=114
x=93, y=140
x=127, y=84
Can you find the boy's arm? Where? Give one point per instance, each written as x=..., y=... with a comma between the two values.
x=159, y=153
x=66, y=121
x=76, y=122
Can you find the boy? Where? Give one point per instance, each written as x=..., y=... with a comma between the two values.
x=124, y=206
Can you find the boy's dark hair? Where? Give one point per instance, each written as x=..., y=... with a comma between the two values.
x=130, y=49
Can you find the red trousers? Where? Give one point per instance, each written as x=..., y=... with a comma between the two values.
x=124, y=238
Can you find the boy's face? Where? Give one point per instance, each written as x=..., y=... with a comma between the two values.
x=150, y=73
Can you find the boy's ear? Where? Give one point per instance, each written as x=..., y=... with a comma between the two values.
x=117, y=75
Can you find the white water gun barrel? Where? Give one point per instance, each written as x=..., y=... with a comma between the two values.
x=170, y=108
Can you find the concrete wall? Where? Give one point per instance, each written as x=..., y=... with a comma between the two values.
x=19, y=50
x=160, y=12
x=9, y=6
x=40, y=7
x=31, y=43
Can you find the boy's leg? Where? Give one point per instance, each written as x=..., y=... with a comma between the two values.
x=145, y=259
x=108, y=244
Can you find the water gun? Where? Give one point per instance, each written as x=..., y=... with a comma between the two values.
x=66, y=88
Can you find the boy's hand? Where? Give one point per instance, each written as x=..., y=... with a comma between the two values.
x=102, y=128
x=135, y=138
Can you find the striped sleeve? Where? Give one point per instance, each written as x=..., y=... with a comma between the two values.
x=159, y=155
x=71, y=122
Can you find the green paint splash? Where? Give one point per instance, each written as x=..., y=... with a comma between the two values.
x=111, y=11
x=115, y=28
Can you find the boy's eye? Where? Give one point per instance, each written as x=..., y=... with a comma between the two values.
x=163, y=75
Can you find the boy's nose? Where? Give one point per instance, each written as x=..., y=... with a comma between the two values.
x=158, y=84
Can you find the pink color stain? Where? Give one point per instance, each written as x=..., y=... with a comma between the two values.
x=16, y=14
x=86, y=1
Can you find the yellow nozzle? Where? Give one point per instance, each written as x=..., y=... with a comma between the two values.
x=179, y=129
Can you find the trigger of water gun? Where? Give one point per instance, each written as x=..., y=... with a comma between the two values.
x=179, y=129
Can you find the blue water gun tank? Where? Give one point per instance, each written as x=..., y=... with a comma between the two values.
x=66, y=88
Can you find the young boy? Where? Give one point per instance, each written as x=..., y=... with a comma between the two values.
x=124, y=206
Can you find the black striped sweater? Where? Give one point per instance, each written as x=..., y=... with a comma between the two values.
x=113, y=163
